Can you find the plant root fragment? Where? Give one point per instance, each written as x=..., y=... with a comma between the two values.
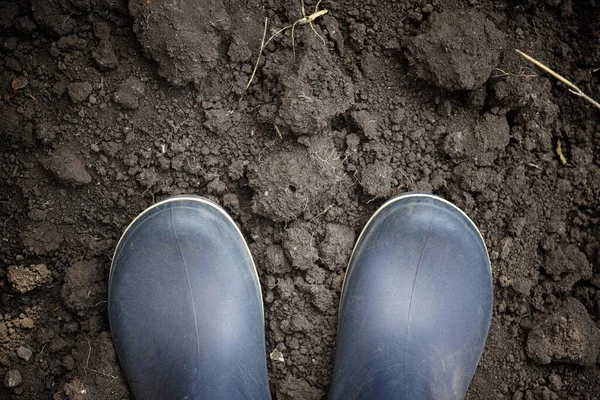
x=306, y=19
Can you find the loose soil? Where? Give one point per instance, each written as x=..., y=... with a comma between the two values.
x=109, y=106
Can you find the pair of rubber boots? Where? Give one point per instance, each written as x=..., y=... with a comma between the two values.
x=186, y=310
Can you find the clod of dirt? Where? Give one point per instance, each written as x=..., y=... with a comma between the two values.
x=105, y=56
x=293, y=388
x=10, y=12
x=337, y=245
x=13, y=378
x=101, y=30
x=66, y=167
x=24, y=353
x=322, y=298
x=459, y=50
x=480, y=142
x=71, y=42
x=220, y=121
x=59, y=345
x=376, y=179
x=366, y=122
x=288, y=183
x=42, y=239
x=314, y=90
x=515, y=92
x=186, y=39
x=79, y=91
x=299, y=245
x=50, y=16
x=12, y=126
x=275, y=260
x=45, y=132
x=129, y=93
x=83, y=287
x=25, y=25
x=24, y=279
x=568, y=335
x=493, y=131
x=535, y=111
x=567, y=265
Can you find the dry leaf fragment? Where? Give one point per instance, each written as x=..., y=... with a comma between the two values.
x=561, y=156
x=19, y=82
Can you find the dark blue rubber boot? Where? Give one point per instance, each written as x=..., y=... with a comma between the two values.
x=185, y=306
x=416, y=304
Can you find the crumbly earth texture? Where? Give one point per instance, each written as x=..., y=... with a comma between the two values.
x=108, y=106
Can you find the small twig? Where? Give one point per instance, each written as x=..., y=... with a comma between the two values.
x=279, y=135
x=41, y=352
x=262, y=46
x=87, y=361
x=62, y=26
x=325, y=211
x=573, y=88
x=503, y=73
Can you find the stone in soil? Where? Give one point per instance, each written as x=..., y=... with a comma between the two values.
x=24, y=279
x=79, y=91
x=276, y=355
x=129, y=92
x=13, y=378
x=66, y=167
x=457, y=51
x=24, y=353
x=567, y=335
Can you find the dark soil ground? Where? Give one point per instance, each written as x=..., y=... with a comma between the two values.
x=109, y=106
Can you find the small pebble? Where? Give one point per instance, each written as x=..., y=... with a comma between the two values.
x=92, y=99
x=277, y=355
x=24, y=353
x=13, y=378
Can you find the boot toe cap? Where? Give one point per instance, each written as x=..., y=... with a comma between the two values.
x=185, y=302
x=418, y=298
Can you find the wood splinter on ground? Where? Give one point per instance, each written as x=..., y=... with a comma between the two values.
x=573, y=88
